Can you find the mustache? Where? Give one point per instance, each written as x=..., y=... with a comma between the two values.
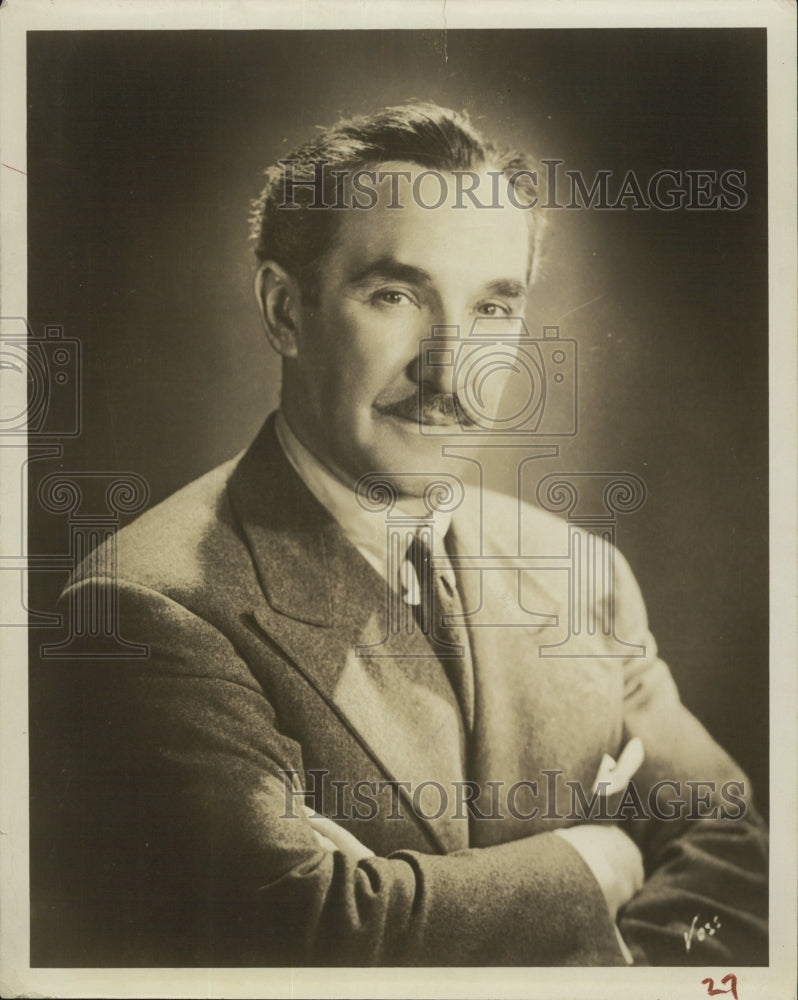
x=427, y=407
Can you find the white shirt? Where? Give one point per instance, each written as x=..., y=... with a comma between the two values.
x=363, y=528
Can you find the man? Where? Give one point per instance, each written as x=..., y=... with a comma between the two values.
x=352, y=742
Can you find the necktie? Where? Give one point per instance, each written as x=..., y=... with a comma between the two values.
x=438, y=615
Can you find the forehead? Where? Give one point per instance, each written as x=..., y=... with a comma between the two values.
x=452, y=241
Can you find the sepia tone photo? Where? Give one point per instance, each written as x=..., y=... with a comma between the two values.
x=396, y=463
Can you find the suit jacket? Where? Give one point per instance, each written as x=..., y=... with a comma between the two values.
x=175, y=828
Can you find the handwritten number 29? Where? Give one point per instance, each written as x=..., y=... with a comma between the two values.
x=713, y=992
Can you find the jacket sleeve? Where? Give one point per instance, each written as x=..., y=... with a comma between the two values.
x=170, y=842
x=705, y=897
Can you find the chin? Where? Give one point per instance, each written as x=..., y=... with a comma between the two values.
x=412, y=471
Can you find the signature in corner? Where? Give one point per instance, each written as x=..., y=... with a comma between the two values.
x=702, y=932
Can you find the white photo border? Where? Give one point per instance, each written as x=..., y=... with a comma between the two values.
x=17, y=978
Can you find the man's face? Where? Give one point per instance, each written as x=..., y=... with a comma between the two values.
x=352, y=392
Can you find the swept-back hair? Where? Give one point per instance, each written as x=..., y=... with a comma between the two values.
x=287, y=230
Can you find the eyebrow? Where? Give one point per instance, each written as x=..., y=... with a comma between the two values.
x=393, y=270
x=508, y=288
x=390, y=268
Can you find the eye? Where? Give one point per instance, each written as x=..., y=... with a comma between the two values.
x=392, y=297
x=494, y=309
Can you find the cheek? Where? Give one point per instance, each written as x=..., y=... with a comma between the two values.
x=366, y=351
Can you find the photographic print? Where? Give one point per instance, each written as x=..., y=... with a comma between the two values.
x=394, y=550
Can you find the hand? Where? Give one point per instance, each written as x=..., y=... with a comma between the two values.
x=334, y=838
x=612, y=856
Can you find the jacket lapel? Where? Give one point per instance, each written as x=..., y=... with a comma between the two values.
x=326, y=609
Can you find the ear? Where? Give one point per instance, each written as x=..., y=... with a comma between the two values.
x=278, y=299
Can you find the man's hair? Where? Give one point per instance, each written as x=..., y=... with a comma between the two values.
x=296, y=236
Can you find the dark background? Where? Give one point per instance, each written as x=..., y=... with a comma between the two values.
x=145, y=149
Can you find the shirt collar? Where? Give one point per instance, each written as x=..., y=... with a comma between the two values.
x=364, y=529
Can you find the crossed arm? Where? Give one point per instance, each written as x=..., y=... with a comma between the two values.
x=661, y=878
x=613, y=858
x=177, y=852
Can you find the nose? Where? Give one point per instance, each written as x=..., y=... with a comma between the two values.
x=435, y=361
x=437, y=358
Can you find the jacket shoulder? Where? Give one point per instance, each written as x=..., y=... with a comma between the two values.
x=175, y=543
